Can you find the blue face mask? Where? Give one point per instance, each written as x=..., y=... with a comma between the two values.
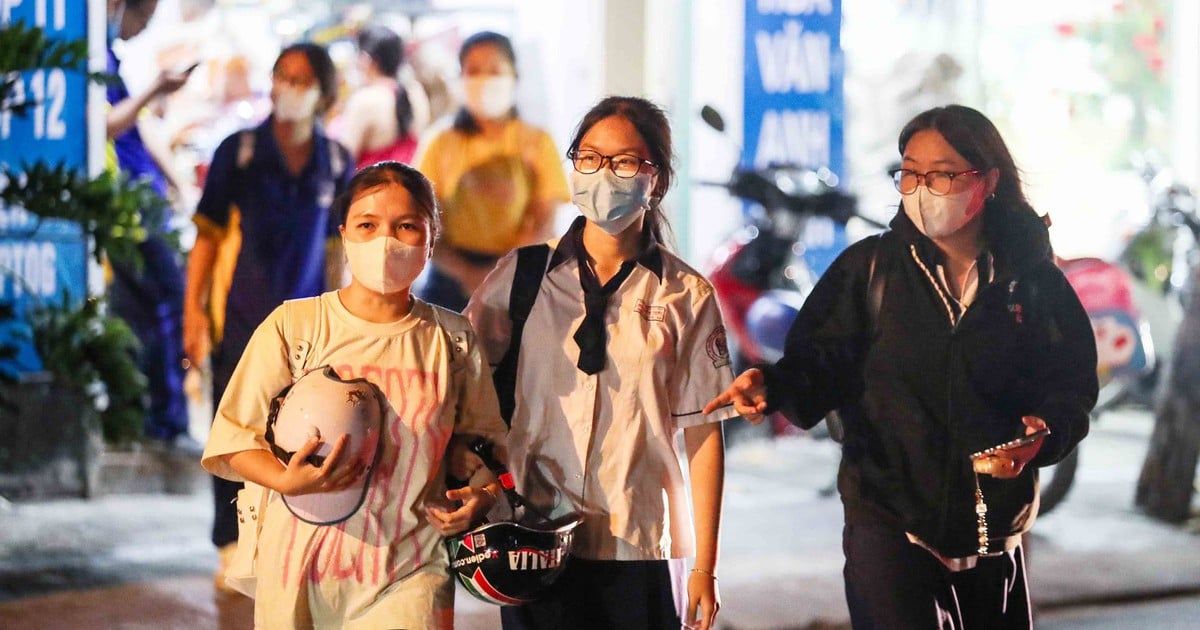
x=612, y=203
x=114, y=24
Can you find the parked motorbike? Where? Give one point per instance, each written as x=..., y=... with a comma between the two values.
x=761, y=273
x=1134, y=305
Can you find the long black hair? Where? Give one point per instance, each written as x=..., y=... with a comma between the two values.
x=651, y=123
x=463, y=120
x=386, y=50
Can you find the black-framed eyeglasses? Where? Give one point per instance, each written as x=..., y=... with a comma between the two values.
x=622, y=165
x=936, y=182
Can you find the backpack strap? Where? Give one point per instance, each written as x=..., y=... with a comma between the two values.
x=457, y=333
x=299, y=330
x=876, y=283
x=527, y=280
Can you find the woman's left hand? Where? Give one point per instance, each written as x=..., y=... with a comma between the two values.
x=475, y=504
x=704, y=598
x=1009, y=462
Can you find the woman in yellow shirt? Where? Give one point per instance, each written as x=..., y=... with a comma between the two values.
x=498, y=178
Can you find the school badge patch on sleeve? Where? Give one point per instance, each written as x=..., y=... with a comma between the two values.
x=716, y=348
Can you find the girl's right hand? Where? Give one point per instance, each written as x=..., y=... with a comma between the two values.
x=747, y=394
x=302, y=477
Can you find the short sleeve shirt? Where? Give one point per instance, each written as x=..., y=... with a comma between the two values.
x=452, y=159
x=434, y=389
x=285, y=220
x=604, y=445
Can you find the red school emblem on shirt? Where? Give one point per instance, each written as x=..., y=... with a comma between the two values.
x=716, y=348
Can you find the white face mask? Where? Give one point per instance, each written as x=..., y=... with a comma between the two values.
x=490, y=97
x=940, y=216
x=295, y=105
x=384, y=264
x=612, y=203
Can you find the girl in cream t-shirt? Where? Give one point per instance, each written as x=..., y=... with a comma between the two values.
x=384, y=566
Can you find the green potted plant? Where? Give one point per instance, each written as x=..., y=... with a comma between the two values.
x=90, y=388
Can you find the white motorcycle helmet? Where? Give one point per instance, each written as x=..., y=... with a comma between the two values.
x=323, y=405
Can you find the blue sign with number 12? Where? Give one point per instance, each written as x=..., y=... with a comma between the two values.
x=40, y=260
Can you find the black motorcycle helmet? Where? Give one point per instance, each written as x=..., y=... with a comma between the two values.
x=508, y=563
x=511, y=562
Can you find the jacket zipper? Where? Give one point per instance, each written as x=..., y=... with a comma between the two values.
x=945, y=489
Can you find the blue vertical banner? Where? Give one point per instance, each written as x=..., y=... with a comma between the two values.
x=40, y=260
x=794, y=104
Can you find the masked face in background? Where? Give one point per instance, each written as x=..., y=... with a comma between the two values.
x=296, y=104
x=489, y=82
x=489, y=97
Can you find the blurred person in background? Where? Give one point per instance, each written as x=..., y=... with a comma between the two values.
x=498, y=178
x=263, y=229
x=149, y=297
x=384, y=113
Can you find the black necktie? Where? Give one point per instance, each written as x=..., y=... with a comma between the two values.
x=590, y=336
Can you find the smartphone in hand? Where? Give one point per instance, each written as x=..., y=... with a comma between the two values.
x=1021, y=441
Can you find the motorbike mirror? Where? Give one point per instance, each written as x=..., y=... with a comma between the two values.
x=712, y=118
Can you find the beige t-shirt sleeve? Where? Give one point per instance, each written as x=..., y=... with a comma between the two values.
x=478, y=410
x=240, y=421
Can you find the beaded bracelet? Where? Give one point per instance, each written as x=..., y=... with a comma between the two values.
x=708, y=573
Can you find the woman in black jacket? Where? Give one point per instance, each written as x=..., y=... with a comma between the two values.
x=950, y=333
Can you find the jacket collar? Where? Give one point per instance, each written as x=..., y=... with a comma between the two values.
x=571, y=246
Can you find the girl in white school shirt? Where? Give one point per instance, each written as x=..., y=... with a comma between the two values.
x=621, y=349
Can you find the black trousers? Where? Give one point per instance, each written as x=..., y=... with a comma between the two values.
x=602, y=595
x=892, y=583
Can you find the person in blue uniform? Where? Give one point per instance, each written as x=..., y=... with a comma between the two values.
x=265, y=209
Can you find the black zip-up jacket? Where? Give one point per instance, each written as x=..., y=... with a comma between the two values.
x=918, y=391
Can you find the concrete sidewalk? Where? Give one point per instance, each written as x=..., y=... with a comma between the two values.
x=143, y=560
x=1094, y=548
